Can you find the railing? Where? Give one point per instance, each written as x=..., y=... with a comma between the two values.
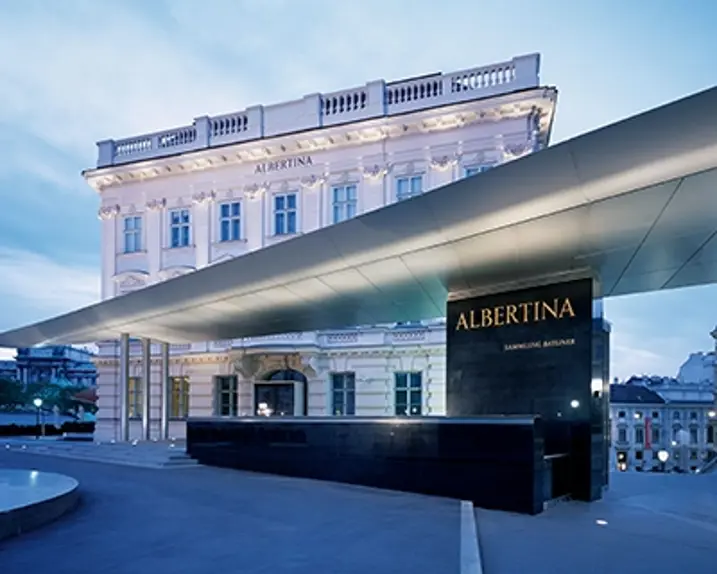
x=374, y=100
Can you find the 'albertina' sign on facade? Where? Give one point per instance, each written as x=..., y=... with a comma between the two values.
x=282, y=164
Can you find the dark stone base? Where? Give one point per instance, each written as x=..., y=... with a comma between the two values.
x=495, y=462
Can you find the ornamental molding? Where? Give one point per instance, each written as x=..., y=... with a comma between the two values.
x=108, y=212
x=256, y=190
x=313, y=181
x=157, y=204
x=444, y=163
x=377, y=172
x=515, y=151
x=175, y=271
x=204, y=197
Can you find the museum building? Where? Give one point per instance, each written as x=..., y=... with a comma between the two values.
x=226, y=186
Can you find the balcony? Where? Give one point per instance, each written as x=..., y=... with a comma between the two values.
x=373, y=100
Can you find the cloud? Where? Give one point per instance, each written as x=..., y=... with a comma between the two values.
x=34, y=287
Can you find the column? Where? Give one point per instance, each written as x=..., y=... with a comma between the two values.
x=713, y=418
x=146, y=387
x=124, y=387
x=164, y=378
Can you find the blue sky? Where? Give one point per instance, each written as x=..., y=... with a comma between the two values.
x=77, y=71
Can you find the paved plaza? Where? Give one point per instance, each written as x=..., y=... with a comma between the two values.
x=196, y=520
x=649, y=523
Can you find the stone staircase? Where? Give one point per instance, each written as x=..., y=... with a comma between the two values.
x=160, y=455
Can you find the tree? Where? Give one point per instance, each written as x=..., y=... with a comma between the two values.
x=11, y=395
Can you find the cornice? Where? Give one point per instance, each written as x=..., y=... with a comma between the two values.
x=539, y=102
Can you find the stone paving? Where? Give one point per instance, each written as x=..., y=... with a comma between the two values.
x=199, y=520
x=648, y=523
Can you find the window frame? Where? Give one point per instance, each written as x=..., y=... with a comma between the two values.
x=409, y=179
x=136, y=232
x=180, y=226
x=135, y=396
x=287, y=211
x=344, y=204
x=179, y=409
x=345, y=391
x=234, y=233
x=232, y=391
x=412, y=390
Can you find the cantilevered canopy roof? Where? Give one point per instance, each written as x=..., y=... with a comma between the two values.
x=635, y=202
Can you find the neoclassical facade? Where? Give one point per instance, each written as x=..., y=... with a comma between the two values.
x=225, y=186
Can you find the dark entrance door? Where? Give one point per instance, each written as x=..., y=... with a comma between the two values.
x=275, y=400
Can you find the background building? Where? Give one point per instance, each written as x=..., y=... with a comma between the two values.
x=649, y=414
x=62, y=364
x=222, y=187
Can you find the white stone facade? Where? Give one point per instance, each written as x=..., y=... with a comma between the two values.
x=180, y=200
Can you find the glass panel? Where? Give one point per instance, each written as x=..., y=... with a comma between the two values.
x=174, y=217
x=236, y=209
x=279, y=223
x=224, y=210
x=401, y=397
x=337, y=214
x=416, y=185
x=338, y=406
x=416, y=380
x=224, y=235
x=185, y=235
x=185, y=216
x=401, y=409
x=291, y=201
x=401, y=187
x=339, y=194
x=350, y=403
x=350, y=210
x=401, y=380
x=337, y=382
x=351, y=192
x=291, y=222
x=236, y=229
x=279, y=202
x=350, y=381
x=175, y=237
x=416, y=398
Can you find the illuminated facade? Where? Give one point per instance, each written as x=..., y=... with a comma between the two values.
x=225, y=186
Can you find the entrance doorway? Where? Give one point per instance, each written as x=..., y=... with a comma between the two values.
x=274, y=399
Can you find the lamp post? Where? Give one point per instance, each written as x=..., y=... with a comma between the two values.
x=663, y=457
x=38, y=405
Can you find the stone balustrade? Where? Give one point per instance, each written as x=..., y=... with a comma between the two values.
x=374, y=100
x=427, y=333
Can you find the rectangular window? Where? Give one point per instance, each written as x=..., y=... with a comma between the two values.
x=640, y=435
x=179, y=228
x=227, y=392
x=230, y=221
x=476, y=169
x=179, y=397
x=343, y=202
x=135, y=397
x=622, y=435
x=409, y=394
x=285, y=214
x=408, y=187
x=343, y=393
x=132, y=234
x=655, y=436
x=693, y=436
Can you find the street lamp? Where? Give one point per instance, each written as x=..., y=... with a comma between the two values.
x=38, y=404
x=663, y=456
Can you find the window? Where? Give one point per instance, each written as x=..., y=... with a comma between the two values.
x=710, y=434
x=135, y=398
x=343, y=392
x=655, y=415
x=676, y=415
x=227, y=396
x=640, y=435
x=343, y=202
x=179, y=397
x=230, y=221
x=408, y=394
x=693, y=436
x=285, y=214
x=132, y=234
x=693, y=415
x=621, y=414
x=655, y=436
x=638, y=415
x=621, y=435
x=408, y=187
x=476, y=169
x=179, y=228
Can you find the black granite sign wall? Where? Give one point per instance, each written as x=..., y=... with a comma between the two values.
x=529, y=352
